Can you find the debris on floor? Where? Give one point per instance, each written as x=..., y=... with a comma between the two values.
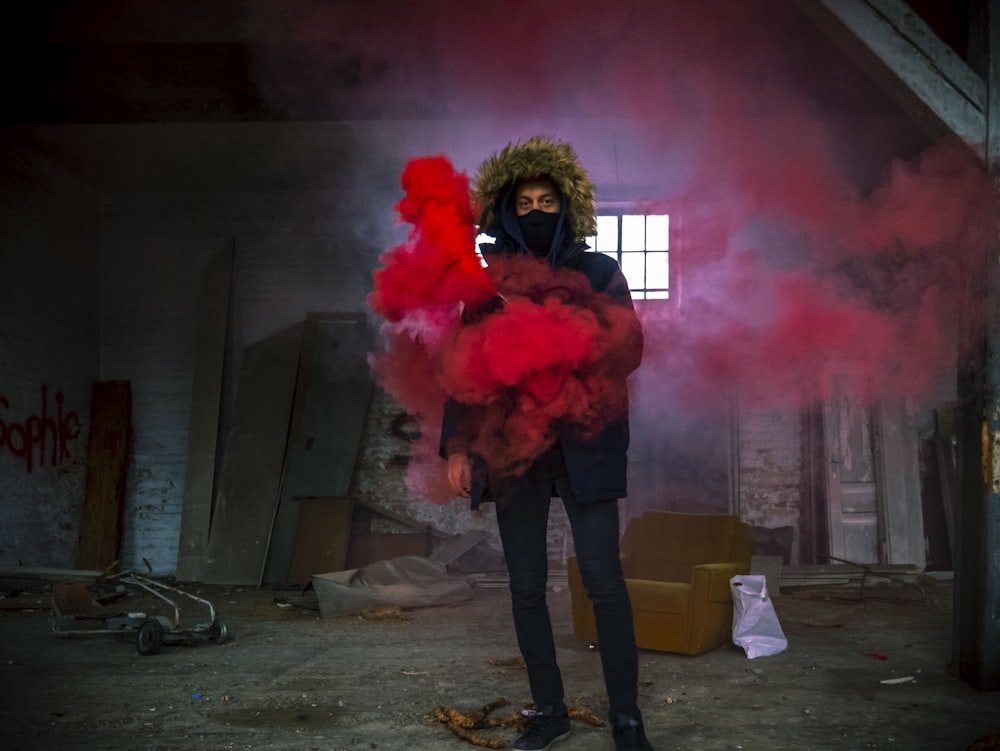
x=507, y=662
x=897, y=681
x=464, y=726
x=78, y=611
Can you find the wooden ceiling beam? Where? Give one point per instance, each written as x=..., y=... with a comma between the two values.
x=925, y=77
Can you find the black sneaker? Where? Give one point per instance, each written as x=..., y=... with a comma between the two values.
x=629, y=735
x=544, y=729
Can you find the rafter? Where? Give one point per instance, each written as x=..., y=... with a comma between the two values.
x=902, y=54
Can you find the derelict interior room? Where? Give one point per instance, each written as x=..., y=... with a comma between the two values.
x=236, y=245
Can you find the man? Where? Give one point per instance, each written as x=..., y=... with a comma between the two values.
x=538, y=202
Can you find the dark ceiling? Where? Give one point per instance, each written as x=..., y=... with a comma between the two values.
x=140, y=61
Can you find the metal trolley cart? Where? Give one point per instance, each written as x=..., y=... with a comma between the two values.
x=76, y=612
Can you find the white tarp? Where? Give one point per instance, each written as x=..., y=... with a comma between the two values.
x=409, y=581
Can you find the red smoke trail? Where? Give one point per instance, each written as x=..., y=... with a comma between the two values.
x=419, y=291
x=537, y=360
x=436, y=268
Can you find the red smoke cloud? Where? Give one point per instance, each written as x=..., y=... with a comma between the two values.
x=538, y=358
x=791, y=292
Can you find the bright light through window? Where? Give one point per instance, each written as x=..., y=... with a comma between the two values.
x=639, y=243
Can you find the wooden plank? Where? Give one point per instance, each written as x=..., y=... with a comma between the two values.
x=203, y=425
x=904, y=56
x=943, y=441
x=107, y=468
x=251, y=466
x=321, y=538
x=335, y=387
x=47, y=573
x=903, y=528
x=988, y=15
x=332, y=395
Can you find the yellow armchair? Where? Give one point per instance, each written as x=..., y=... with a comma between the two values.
x=677, y=570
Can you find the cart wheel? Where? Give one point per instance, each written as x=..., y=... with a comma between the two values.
x=217, y=633
x=149, y=638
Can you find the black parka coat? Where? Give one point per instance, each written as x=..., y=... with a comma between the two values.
x=596, y=464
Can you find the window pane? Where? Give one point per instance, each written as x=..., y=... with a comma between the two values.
x=657, y=270
x=633, y=232
x=634, y=269
x=607, y=235
x=657, y=232
x=641, y=244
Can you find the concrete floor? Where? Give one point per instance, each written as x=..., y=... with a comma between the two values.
x=286, y=678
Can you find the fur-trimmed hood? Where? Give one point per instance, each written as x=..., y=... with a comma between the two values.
x=535, y=157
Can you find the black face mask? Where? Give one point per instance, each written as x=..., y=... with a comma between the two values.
x=538, y=228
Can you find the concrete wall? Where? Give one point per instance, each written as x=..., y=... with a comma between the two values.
x=49, y=335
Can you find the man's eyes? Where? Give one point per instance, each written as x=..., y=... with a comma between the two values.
x=525, y=203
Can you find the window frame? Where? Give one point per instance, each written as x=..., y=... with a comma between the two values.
x=644, y=292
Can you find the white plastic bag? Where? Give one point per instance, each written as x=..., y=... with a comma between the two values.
x=755, y=624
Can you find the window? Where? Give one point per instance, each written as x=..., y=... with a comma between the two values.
x=640, y=243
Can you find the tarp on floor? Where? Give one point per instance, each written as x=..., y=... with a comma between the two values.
x=408, y=582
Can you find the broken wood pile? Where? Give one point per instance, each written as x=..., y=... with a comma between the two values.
x=839, y=581
x=844, y=574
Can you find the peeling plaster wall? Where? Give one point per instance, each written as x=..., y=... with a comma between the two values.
x=770, y=469
x=380, y=479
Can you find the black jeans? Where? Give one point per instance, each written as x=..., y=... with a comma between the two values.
x=522, y=516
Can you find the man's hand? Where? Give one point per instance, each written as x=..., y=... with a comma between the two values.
x=460, y=474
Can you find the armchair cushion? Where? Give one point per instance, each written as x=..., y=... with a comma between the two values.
x=664, y=597
x=677, y=570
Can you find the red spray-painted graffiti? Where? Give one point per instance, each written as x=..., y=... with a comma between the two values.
x=40, y=435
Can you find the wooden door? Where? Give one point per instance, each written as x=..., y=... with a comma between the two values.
x=853, y=517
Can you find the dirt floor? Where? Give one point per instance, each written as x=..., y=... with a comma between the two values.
x=862, y=671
